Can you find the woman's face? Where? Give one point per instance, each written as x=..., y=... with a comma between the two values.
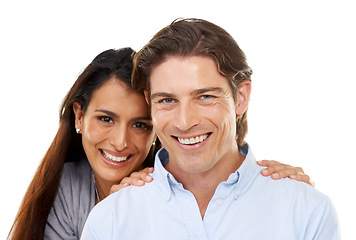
x=116, y=131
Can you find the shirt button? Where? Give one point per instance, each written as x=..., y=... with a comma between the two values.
x=234, y=178
x=237, y=193
x=219, y=202
x=188, y=203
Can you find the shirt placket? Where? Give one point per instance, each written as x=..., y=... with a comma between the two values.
x=219, y=205
x=189, y=209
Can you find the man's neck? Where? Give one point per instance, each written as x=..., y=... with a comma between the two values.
x=203, y=184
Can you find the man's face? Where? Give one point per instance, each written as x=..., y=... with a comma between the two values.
x=193, y=113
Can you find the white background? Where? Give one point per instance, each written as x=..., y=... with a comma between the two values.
x=302, y=110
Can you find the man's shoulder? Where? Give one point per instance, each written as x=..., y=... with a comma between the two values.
x=288, y=188
x=125, y=203
x=132, y=194
x=138, y=193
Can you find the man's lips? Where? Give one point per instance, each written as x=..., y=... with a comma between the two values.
x=193, y=140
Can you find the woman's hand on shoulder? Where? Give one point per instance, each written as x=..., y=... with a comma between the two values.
x=135, y=179
x=279, y=170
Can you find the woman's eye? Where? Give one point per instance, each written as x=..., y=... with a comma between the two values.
x=105, y=119
x=141, y=125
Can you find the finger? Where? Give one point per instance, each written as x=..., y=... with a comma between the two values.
x=286, y=172
x=303, y=178
x=118, y=187
x=267, y=163
x=278, y=169
x=147, y=170
x=142, y=175
x=137, y=178
x=282, y=170
x=135, y=181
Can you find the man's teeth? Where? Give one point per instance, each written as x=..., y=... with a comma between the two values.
x=114, y=158
x=195, y=140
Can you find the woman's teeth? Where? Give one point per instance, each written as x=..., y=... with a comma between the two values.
x=195, y=140
x=114, y=158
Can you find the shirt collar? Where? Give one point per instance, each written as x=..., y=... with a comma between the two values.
x=248, y=169
x=245, y=173
x=161, y=175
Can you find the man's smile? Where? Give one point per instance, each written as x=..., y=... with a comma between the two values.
x=193, y=140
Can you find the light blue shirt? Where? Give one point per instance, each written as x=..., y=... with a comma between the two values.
x=246, y=206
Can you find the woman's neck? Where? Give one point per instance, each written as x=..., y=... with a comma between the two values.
x=102, y=189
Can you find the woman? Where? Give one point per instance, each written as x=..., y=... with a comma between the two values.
x=105, y=134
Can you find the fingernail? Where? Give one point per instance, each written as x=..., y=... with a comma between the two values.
x=293, y=176
x=151, y=169
x=148, y=177
x=140, y=181
x=275, y=175
x=126, y=184
x=265, y=171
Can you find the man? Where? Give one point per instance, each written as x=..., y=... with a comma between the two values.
x=207, y=184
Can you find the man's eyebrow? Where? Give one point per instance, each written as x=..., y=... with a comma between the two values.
x=210, y=89
x=199, y=91
x=161, y=94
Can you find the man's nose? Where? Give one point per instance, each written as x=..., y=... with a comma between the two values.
x=186, y=116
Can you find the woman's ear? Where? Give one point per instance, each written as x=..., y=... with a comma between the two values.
x=79, y=115
x=147, y=97
x=243, y=97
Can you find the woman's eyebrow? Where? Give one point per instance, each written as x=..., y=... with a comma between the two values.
x=142, y=118
x=111, y=114
x=114, y=115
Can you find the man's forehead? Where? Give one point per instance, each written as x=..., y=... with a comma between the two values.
x=193, y=74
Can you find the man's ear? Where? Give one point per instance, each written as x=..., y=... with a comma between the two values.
x=147, y=97
x=79, y=115
x=243, y=97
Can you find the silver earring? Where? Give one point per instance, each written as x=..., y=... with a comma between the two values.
x=77, y=130
x=237, y=137
x=154, y=143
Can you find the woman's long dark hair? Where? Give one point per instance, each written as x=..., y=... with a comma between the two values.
x=67, y=145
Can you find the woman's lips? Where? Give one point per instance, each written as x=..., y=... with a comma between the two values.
x=113, y=158
x=115, y=161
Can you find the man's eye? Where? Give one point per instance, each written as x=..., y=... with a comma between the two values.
x=167, y=100
x=105, y=119
x=206, y=97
